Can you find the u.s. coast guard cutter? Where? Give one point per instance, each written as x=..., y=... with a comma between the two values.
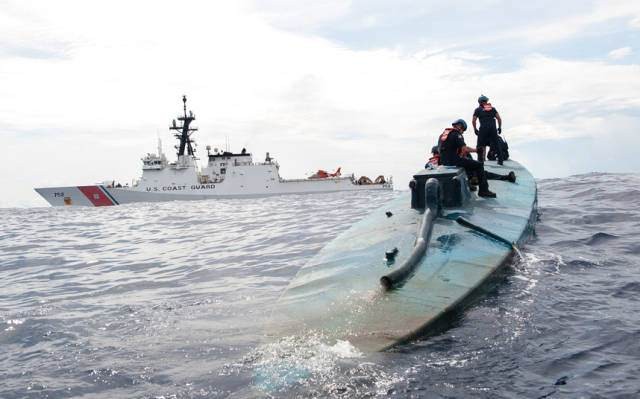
x=226, y=175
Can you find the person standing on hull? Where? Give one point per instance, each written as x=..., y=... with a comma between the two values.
x=488, y=132
x=453, y=150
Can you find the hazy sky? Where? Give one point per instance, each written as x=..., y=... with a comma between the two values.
x=86, y=87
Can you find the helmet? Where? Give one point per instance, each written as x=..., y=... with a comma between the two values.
x=483, y=98
x=435, y=150
x=460, y=122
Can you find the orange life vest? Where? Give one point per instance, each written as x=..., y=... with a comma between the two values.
x=434, y=160
x=486, y=107
x=445, y=135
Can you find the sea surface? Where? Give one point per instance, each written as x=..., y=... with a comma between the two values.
x=170, y=300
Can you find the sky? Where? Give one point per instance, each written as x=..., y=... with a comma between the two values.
x=86, y=88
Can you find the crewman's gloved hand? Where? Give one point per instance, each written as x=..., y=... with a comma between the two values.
x=499, y=130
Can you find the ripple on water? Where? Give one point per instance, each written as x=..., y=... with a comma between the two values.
x=169, y=300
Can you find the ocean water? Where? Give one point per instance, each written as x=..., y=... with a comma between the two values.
x=170, y=301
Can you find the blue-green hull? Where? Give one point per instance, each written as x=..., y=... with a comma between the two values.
x=338, y=293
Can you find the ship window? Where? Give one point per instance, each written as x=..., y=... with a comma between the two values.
x=223, y=171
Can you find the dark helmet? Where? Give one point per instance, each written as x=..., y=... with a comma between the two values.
x=483, y=98
x=435, y=150
x=460, y=122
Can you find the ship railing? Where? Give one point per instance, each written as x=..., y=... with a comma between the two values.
x=206, y=179
x=320, y=179
x=244, y=163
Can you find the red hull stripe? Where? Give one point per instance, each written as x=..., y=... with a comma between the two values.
x=111, y=197
x=95, y=195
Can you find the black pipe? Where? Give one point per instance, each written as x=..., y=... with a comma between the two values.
x=407, y=268
x=466, y=223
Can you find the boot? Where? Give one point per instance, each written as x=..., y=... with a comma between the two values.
x=487, y=194
x=511, y=177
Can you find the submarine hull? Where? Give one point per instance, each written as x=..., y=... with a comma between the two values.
x=338, y=293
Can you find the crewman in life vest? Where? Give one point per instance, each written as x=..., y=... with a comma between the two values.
x=453, y=150
x=488, y=133
x=434, y=162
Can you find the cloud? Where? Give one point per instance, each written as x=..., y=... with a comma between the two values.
x=620, y=53
x=16, y=49
x=292, y=14
x=372, y=23
x=470, y=55
x=568, y=26
x=23, y=34
x=312, y=103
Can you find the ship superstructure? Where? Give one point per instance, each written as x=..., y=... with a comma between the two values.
x=225, y=175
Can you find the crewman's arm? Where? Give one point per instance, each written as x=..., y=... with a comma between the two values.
x=499, y=122
x=463, y=148
x=473, y=123
x=468, y=149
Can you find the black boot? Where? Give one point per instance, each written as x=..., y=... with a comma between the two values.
x=487, y=194
x=511, y=177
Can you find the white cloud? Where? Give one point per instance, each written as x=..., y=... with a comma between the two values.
x=470, y=56
x=88, y=116
x=370, y=21
x=571, y=26
x=348, y=15
x=294, y=14
x=620, y=53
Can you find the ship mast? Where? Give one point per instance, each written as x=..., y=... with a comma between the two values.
x=184, y=132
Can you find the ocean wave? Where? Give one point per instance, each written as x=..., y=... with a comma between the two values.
x=171, y=300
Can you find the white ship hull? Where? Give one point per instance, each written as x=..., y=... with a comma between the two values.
x=101, y=195
x=225, y=175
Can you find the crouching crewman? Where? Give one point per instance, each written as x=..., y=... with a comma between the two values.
x=453, y=149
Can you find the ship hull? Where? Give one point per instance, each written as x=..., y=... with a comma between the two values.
x=225, y=175
x=101, y=195
x=338, y=293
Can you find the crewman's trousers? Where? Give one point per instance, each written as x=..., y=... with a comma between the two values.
x=490, y=137
x=476, y=168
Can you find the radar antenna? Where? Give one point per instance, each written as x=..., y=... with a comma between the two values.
x=184, y=131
